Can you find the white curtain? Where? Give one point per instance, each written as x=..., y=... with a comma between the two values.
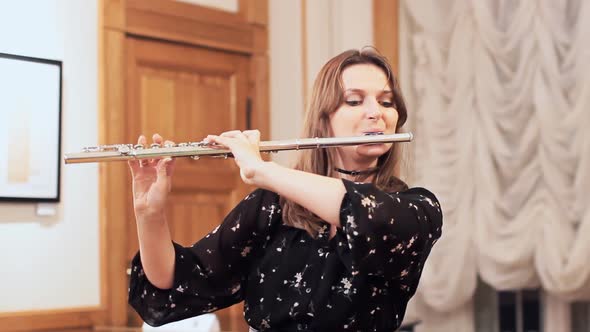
x=499, y=97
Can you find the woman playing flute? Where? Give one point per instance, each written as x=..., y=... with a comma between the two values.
x=336, y=243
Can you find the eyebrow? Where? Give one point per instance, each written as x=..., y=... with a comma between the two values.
x=382, y=92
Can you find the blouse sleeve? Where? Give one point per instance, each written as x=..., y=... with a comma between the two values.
x=389, y=234
x=207, y=276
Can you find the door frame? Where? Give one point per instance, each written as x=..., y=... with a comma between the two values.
x=244, y=32
x=386, y=30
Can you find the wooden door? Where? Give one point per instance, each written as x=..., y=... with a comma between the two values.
x=184, y=93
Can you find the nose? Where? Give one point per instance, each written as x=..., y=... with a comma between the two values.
x=373, y=109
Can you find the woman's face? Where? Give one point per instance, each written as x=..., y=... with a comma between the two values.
x=367, y=109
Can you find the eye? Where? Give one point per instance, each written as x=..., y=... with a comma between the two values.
x=354, y=102
x=386, y=103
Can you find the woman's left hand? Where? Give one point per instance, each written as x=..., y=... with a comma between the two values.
x=244, y=145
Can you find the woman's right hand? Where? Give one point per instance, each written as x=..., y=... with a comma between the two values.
x=152, y=180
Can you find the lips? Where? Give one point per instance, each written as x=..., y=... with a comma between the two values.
x=371, y=133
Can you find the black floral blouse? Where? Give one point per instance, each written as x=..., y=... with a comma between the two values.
x=360, y=280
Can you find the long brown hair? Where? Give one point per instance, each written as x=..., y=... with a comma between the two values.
x=326, y=97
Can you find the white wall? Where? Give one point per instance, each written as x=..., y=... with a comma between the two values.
x=286, y=87
x=334, y=26
x=53, y=262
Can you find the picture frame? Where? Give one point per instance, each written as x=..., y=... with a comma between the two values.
x=30, y=128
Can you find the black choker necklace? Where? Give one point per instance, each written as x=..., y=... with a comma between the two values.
x=355, y=172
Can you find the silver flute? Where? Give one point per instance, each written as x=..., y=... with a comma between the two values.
x=196, y=150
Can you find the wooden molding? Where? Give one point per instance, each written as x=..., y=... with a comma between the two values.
x=254, y=11
x=259, y=84
x=259, y=90
x=49, y=319
x=185, y=23
x=304, y=61
x=260, y=40
x=111, y=14
x=386, y=30
x=113, y=179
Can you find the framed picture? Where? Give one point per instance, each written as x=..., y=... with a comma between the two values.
x=30, y=128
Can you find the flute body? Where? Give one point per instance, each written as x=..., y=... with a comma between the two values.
x=195, y=150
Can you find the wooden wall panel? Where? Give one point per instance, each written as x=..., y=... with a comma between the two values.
x=49, y=319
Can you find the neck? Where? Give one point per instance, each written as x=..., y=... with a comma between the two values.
x=357, y=174
x=354, y=170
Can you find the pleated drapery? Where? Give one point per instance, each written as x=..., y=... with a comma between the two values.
x=499, y=97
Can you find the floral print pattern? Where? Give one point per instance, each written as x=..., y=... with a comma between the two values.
x=359, y=280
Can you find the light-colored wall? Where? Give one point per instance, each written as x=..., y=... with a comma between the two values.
x=334, y=26
x=286, y=80
x=53, y=262
x=331, y=26
x=226, y=5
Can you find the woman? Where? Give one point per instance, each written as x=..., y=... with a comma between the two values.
x=337, y=243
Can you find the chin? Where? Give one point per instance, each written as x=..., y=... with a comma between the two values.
x=374, y=150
